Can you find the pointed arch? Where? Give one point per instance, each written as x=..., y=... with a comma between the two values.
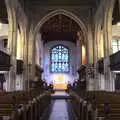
x=63, y=12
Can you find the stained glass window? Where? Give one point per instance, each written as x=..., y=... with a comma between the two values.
x=59, y=56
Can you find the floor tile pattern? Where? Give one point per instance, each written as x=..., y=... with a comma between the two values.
x=59, y=109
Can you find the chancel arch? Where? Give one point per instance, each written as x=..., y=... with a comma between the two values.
x=63, y=12
x=61, y=25
x=60, y=12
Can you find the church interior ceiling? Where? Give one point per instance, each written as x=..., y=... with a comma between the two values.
x=60, y=27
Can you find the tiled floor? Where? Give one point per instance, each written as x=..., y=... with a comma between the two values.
x=59, y=108
x=60, y=93
x=59, y=111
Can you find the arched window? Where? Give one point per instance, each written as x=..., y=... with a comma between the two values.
x=59, y=58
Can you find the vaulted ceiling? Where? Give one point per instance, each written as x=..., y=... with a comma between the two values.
x=60, y=27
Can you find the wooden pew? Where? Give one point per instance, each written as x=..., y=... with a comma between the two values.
x=100, y=101
x=25, y=105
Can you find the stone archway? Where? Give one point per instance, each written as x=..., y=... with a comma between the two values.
x=54, y=13
x=57, y=12
x=63, y=12
x=50, y=15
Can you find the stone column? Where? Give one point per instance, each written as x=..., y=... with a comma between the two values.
x=79, y=57
x=20, y=40
x=100, y=56
x=31, y=66
x=95, y=44
x=99, y=80
x=89, y=56
x=79, y=49
x=89, y=45
x=41, y=52
x=12, y=41
x=107, y=34
x=25, y=59
x=39, y=49
x=33, y=57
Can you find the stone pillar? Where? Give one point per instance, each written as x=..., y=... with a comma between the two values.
x=79, y=56
x=96, y=82
x=79, y=52
x=39, y=50
x=89, y=56
x=42, y=53
x=12, y=42
x=107, y=34
x=20, y=44
x=31, y=66
x=89, y=45
x=99, y=79
x=100, y=56
x=79, y=49
x=25, y=59
x=33, y=57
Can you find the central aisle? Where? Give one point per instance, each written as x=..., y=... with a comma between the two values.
x=61, y=108
x=59, y=111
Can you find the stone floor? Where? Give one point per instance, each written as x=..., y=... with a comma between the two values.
x=61, y=109
x=60, y=93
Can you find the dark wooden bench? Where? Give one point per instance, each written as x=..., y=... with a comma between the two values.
x=105, y=105
x=23, y=105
